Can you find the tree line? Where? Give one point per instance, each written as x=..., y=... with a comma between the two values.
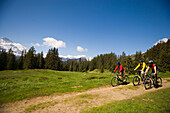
x=160, y=54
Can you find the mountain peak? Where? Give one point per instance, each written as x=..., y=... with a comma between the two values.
x=164, y=40
x=6, y=44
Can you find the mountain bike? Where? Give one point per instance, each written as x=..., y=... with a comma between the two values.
x=137, y=79
x=152, y=80
x=115, y=81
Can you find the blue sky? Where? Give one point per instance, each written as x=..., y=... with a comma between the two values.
x=97, y=26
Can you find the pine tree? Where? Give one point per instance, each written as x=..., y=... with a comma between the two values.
x=163, y=61
x=80, y=65
x=3, y=60
x=47, y=59
x=129, y=65
x=75, y=66
x=20, y=61
x=37, y=61
x=123, y=58
x=66, y=66
x=11, y=63
x=92, y=64
x=101, y=69
x=138, y=57
x=41, y=61
x=71, y=65
x=52, y=60
x=29, y=61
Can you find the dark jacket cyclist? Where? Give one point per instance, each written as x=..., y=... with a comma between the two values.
x=153, y=67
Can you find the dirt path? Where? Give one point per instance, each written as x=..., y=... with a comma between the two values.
x=76, y=102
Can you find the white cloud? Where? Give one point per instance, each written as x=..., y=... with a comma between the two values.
x=73, y=57
x=37, y=44
x=80, y=49
x=53, y=42
x=86, y=50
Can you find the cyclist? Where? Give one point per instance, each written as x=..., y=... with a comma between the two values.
x=153, y=67
x=142, y=66
x=121, y=70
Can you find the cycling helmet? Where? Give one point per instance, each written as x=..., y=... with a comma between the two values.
x=118, y=62
x=141, y=60
x=150, y=61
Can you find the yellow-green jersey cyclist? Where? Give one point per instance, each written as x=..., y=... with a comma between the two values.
x=143, y=67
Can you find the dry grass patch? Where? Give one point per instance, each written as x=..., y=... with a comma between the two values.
x=40, y=106
x=128, y=87
x=80, y=102
x=87, y=96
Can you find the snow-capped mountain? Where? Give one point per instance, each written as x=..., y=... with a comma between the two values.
x=6, y=44
x=70, y=57
x=164, y=40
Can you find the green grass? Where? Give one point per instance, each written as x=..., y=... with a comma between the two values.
x=154, y=102
x=164, y=75
x=20, y=84
x=168, y=80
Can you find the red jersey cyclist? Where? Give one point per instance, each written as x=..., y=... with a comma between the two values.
x=121, y=70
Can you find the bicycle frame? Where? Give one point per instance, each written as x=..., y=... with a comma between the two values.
x=139, y=74
x=117, y=76
x=152, y=76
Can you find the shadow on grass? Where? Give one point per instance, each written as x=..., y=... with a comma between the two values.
x=124, y=83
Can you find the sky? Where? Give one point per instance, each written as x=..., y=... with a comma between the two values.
x=85, y=27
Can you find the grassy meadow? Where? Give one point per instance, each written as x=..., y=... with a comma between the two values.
x=20, y=84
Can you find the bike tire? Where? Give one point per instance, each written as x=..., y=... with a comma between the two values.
x=114, y=81
x=136, y=80
x=147, y=83
x=159, y=82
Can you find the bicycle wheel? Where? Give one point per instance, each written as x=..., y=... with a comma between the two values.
x=114, y=82
x=147, y=83
x=127, y=79
x=136, y=81
x=159, y=82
